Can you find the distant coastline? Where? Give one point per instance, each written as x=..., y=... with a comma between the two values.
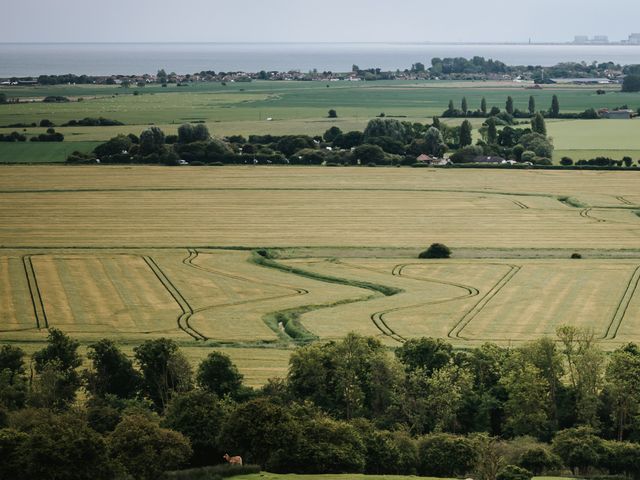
x=33, y=59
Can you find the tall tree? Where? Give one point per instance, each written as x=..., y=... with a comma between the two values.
x=463, y=106
x=451, y=108
x=509, y=105
x=623, y=381
x=164, y=370
x=532, y=105
x=217, y=374
x=555, y=107
x=492, y=131
x=112, y=371
x=538, y=124
x=465, y=134
x=434, y=143
x=57, y=365
x=483, y=105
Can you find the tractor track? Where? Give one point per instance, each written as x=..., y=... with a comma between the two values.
x=621, y=199
x=378, y=318
x=187, y=310
x=520, y=204
x=34, y=292
x=623, y=306
x=477, y=308
x=586, y=213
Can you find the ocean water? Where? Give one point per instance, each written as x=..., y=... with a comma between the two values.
x=138, y=58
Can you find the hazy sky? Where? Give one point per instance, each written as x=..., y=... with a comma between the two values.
x=313, y=21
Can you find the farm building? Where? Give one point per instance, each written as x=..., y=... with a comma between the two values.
x=617, y=114
x=433, y=161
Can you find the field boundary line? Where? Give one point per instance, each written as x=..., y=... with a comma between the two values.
x=623, y=306
x=477, y=308
x=187, y=311
x=34, y=292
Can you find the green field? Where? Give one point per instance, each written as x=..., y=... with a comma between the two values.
x=133, y=253
x=301, y=108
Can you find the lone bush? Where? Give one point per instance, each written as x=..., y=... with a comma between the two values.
x=436, y=250
x=576, y=255
x=513, y=472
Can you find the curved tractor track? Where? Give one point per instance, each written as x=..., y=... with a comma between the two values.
x=378, y=318
x=189, y=261
x=586, y=213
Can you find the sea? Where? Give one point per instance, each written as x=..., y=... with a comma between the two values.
x=32, y=59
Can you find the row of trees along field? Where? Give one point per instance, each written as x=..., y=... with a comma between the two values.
x=385, y=141
x=345, y=406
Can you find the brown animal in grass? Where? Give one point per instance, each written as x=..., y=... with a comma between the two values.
x=237, y=460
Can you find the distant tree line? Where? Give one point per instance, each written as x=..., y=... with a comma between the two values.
x=549, y=406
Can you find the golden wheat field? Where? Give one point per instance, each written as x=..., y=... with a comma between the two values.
x=133, y=253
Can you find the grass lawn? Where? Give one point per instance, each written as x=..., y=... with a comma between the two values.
x=41, y=152
x=583, y=139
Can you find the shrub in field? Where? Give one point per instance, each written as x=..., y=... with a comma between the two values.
x=576, y=255
x=513, y=472
x=436, y=250
x=445, y=455
x=566, y=161
x=145, y=450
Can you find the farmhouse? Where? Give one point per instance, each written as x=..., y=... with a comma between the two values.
x=433, y=161
x=617, y=114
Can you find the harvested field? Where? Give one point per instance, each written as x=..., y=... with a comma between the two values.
x=133, y=253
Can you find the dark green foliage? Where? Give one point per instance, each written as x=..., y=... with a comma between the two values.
x=188, y=133
x=56, y=366
x=532, y=105
x=538, y=144
x=631, y=83
x=576, y=255
x=218, y=374
x=349, y=379
x=91, y=122
x=538, y=124
x=369, y=154
x=160, y=361
x=483, y=105
x=151, y=141
x=3, y=98
x=513, y=472
x=290, y=144
x=385, y=127
x=492, y=131
x=331, y=134
x=428, y=354
x=114, y=146
x=112, y=373
x=554, y=111
x=434, y=142
x=64, y=447
x=539, y=460
x=257, y=429
x=332, y=114
x=509, y=106
x=622, y=458
x=55, y=99
x=145, y=450
x=465, y=134
x=445, y=455
x=566, y=161
x=13, y=137
x=323, y=446
x=12, y=448
x=387, y=453
x=463, y=105
x=198, y=416
x=579, y=448
x=466, y=154
x=436, y=250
